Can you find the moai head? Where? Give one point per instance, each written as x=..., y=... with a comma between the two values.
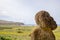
x=44, y=20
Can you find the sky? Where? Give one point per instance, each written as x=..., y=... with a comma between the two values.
x=25, y=10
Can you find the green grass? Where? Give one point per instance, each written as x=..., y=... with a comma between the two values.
x=21, y=33
x=57, y=33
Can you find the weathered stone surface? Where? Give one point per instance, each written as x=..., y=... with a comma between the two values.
x=45, y=26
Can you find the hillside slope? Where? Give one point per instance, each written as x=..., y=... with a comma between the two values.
x=4, y=22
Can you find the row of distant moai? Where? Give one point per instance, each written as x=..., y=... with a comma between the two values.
x=45, y=25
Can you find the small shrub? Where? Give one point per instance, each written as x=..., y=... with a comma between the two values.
x=19, y=31
x=4, y=38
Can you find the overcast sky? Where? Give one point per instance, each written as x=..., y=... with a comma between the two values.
x=25, y=10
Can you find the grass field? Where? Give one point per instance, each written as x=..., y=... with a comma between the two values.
x=20, y=33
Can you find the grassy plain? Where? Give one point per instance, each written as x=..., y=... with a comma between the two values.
x=20, y=32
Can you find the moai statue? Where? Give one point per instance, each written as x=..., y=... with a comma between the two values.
x=45, y=26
